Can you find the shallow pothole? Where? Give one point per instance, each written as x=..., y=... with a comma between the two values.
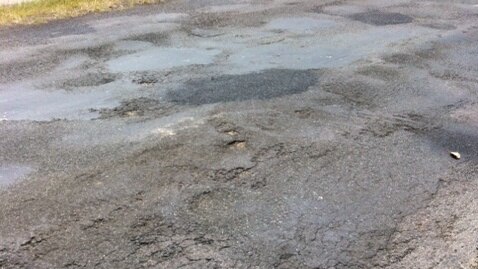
x=131, y=108
x=158, y=39
x=380, y=18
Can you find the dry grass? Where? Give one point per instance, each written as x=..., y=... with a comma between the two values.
x=41, y=11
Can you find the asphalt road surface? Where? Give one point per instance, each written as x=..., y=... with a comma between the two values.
x=242, y=134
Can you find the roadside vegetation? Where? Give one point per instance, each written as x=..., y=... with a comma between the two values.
x=41, y=11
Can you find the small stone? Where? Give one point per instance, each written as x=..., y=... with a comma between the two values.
x=455, y=155
x=232, y=133
x=131, y=113
x=241, y=145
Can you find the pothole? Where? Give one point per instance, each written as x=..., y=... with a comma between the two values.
x=354, y=92
x=379, y=72
x=131, y=108
x=401, y=58
x=380, y=18
x=146, y=79
x=154, y=38
x=237, y=144
x=18, y=70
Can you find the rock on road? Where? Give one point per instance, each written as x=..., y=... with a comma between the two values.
x=242, y=134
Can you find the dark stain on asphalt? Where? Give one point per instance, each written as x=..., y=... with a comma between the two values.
x=381, y=72
x=229, y=88
x=154, y=38
x=89, y=80
x=381, y=18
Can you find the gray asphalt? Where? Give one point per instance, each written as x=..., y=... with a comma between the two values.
x=242, y=134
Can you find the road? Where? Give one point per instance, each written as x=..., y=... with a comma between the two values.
x=242, y=134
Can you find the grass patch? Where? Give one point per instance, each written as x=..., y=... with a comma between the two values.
x=41, y=11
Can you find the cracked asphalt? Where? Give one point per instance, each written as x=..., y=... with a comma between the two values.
x=242, y=134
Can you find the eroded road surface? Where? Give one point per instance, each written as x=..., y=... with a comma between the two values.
x=242, y=134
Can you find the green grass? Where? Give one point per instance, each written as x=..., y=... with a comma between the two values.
x=41, y=11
